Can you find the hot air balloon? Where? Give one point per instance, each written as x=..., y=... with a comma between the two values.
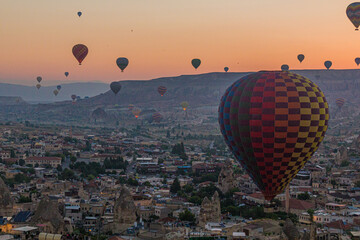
x=58, y=87
x=38, y=86
x=328, y=64
x=115, y=87
x=157, y=117
x=56, y=92
x=273, y=122
x=66, y=74
x=284, y=67
x=86, y=97
x=353, y=13
x=79, y=14
x=80, y=51
x=39, y=79
x=340, y=102
x=226, y=69
x=357, y=61
x=78, y=98
x=131, y=107
x=301, y=57
x=196, y=63
x=122, y=63
x=136, y=112
x=73, y=97
x=162, y=90
x=184, y=105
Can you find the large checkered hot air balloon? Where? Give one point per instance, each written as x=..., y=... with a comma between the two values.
x=273, y=122
x=80, y=51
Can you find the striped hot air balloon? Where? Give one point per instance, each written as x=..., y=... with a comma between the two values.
x=340, y=102
x=157, y=117
x=353, y=13
x=273, y=122
x=162, y=90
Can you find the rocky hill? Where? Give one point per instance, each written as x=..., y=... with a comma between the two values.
x=202, y=91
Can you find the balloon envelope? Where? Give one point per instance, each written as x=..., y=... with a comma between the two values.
x=340, y=102
x=328, y=64
x=196, y=63
x=353, y=13
x=357, y=61
x=136, y=112
x=80, y=51
x=162, y=90
x=284, y=67
x=157, y=117
x=58, y=87
x=79, y=14
x=273, y=122
x=66, y=74
x=39, y=79
x=38, y=86
x=184, y=105
x=55, y=92
x=301, y=57
x=226, y=69
x=122, y=63
x=73, y=97
x=115, y=87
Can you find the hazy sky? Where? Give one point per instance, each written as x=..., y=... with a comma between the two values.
x=36, y=37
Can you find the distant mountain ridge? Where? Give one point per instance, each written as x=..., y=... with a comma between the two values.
x=45, y=93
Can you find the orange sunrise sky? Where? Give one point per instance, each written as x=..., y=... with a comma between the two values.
x=36, y=37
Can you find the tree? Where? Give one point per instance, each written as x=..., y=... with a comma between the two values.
x=73, y=159
x=304, y=196
x=187, y=216
x=21, y=162
x=175, y=187
x=12, y=153
x=67, y=174
x=311, y=214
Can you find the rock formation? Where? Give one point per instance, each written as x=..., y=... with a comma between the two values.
x=290, y=230
x=210, y=210
x=124, y=211
x=6, y=202
x=226, y=179
x=341, y=155
x=47, y=213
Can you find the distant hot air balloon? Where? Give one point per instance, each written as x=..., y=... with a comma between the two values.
x=226, y=69
x=162, y=90
x=340, y=102
x=131, y=107
x=80, y=51
x=115, y=87
x=301, y=57
x=78, y=98
x=86, y=97
x=73, y=97
x=328, y=64
x=58, y=87
x=284, y=67
x=56, y=92
x=184, y=105
x=157, y=117
x=136, y=112
x=79, y=13
x=39, y=79
x=271, y=133
x=122, y=63
x=353, y=13
x=38, y=86
x=196, y=63
x=66, y=74
x=357, y=61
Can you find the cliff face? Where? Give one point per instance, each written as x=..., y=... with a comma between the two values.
x=226, y=179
